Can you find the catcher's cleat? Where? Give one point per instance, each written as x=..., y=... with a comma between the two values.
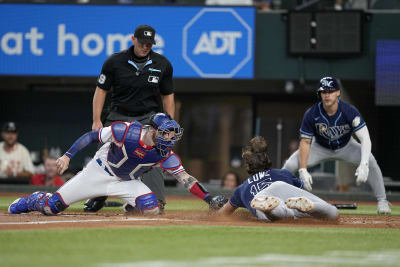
x=265, y=204
x=302, y=204
x=19, y=205
x=383, y=207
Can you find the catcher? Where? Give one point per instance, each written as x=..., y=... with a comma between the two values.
x=129, y=150
x=273, y=194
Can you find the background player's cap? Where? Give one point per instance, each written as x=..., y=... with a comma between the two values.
x=10, y=127
x=145, y=34
x=329, y=84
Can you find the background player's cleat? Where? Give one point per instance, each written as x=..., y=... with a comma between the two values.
x=383, y=207
x=302, y=204
x=265, y=204
x=19, y=205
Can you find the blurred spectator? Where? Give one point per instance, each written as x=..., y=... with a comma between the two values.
x=53, y=152
x=230, y=180
x=49, y=177
x=263, y=5
x=15, y=160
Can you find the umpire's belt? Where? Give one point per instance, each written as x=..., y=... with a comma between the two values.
x=127, y=113
x=105, y=168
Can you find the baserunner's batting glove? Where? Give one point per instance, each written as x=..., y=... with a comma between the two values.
x=362, y=173
x=306, y=178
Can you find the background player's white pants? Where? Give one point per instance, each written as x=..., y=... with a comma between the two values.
x=350, y=153
x=283, y=191
x=94, y=181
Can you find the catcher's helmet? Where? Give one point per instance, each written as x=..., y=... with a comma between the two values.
x=164, y=125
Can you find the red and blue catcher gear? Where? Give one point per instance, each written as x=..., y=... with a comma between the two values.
x=128, y=157
x=173, y=164
x=147, y=202
x=164, y=125
x=244, y=193
x=19, y=206
x=46, y=203
x=119, y=131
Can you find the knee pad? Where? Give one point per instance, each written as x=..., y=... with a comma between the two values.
x=147, y=203
x=50, y=204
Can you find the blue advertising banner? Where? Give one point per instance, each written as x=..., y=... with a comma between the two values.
x=74, y=40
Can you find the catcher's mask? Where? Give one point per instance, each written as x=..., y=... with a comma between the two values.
x=168, y=132
x=327, y=84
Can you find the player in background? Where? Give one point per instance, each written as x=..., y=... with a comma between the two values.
x=326, y=133
x=273, y=194
x=15, y=160
x=129, y=150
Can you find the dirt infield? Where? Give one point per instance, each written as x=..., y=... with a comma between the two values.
x=72, y=219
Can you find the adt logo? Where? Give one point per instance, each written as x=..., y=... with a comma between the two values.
x=217, y=43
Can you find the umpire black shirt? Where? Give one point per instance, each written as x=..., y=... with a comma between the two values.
x=136, y=91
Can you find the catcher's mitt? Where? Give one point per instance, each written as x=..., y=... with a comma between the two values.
x=217, y=202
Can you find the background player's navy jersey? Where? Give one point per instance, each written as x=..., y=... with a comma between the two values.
x=332, y=132
x=245, y=192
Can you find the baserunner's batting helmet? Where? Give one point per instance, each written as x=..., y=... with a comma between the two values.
x=328, y=84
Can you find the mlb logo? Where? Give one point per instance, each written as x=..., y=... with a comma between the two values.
x=147, y=33
x=139, y=153
x=153, y=79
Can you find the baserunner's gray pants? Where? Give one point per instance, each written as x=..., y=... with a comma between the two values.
x=283, y=191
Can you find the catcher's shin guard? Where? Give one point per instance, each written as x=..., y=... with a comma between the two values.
x=148, y=203
x=19, y=206
x=46, y=203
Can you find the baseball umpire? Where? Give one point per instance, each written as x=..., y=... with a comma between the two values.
x=326, y=133
x=141, y=83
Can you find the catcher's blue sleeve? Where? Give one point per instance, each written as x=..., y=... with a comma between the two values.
x=82, y=142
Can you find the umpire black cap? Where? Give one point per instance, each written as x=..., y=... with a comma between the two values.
x=9, y=126
x=145, y=34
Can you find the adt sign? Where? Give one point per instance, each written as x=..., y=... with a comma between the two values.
x=218, y=43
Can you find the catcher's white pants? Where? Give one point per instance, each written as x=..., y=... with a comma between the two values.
x=350, y=153
x=94, y=181
x=283, y=191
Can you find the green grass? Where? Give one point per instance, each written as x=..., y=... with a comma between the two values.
x=268, y=245
x=85, y=247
